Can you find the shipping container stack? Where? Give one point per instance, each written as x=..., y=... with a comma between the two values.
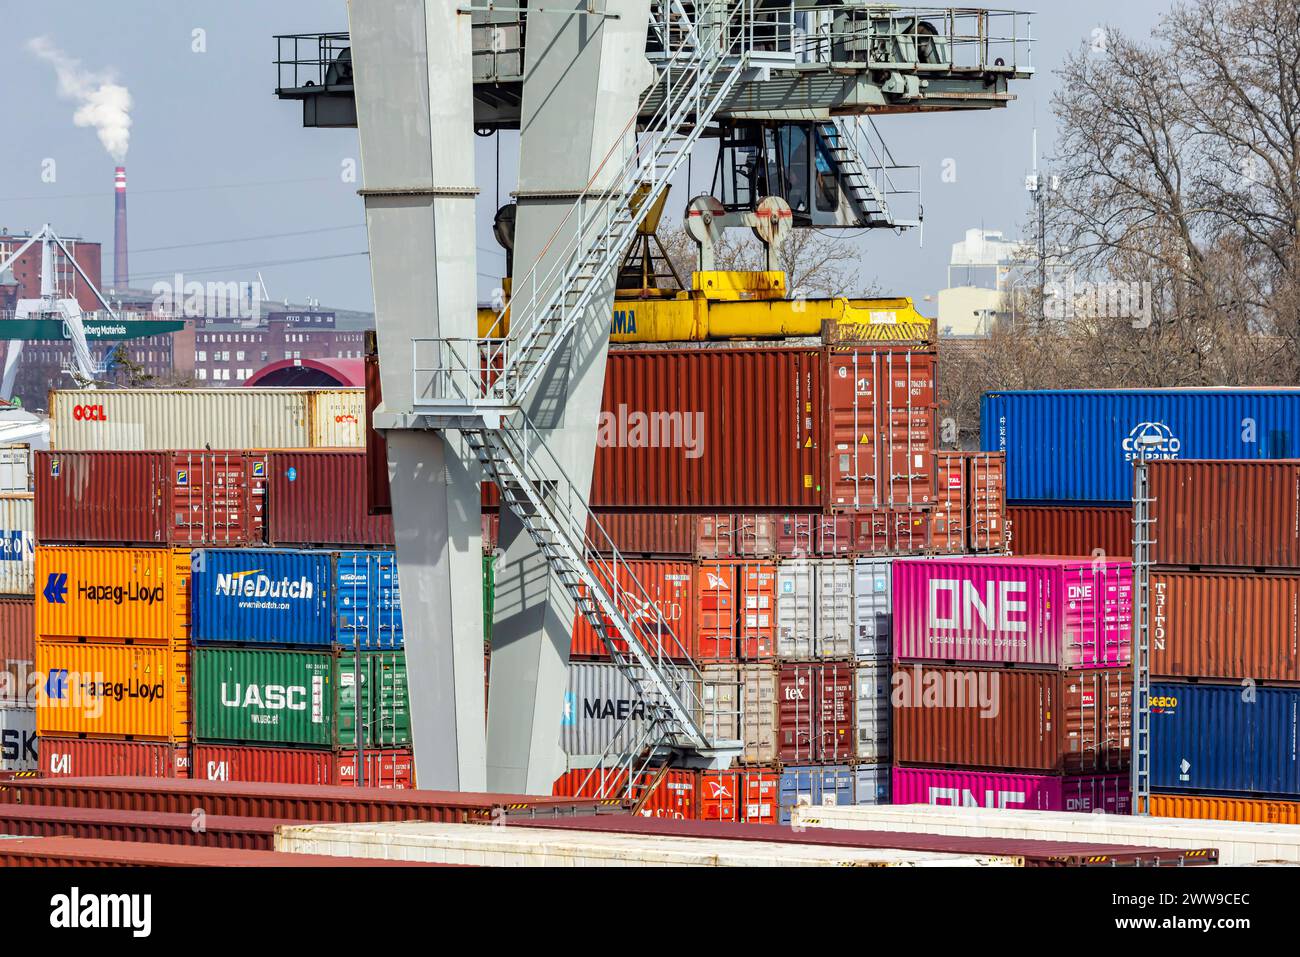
x=229, y=614
x=1012, y=685
x=1225, y=689
x=18, y=745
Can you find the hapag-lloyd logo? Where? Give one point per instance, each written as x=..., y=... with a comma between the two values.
x=254, y=584
x=1164, y=444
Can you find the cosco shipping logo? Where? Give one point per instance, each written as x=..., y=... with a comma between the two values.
x=1163, y=443
x=89, y=413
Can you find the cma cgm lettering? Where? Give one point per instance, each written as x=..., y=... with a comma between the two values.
x=1040, y=612
x=296, y=598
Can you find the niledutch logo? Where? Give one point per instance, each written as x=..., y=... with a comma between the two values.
x=252, y=583
x=1166, y=445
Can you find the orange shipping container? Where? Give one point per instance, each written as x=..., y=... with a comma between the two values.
x=1216, y=625
x=1225, y=809
x=113, y=691
x=986, y=477
x=951, y=503
x=669, y=588
x=735, y=610
x=138, y=595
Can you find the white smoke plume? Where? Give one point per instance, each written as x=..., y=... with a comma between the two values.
x=101, y=103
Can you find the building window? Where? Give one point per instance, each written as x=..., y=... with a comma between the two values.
x=239, y=356
x=265, y=355
x=202, y=373
x=201, y=355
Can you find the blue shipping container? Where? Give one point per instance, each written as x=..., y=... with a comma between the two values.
x=829, y=784
x=1078, y=445
x=1225, y=738
x=295, y=598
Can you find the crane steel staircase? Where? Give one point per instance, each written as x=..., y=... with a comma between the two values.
x=870, y=182
x=480, y=387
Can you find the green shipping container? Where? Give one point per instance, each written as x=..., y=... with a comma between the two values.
x=300, y=697
x=489, y=596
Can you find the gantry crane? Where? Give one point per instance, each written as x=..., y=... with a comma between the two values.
x=610, y=97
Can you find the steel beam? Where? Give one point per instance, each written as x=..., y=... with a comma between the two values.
x=584, y=79
x=412, y=61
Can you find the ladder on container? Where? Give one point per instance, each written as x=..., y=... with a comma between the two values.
x=849, y=142
x=1143, y=540
x=710, y=44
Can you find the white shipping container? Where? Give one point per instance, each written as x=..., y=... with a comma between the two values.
x=128, y=419
x=795, y=610
x=739, y=703
x=871, y=784
x=873, y=711
x=873, y=609
x=17, y=543
x=15, y=468
x=601, y=707
x=521, y=846
x=18, y=739
x=834, y=632
x=338, y=418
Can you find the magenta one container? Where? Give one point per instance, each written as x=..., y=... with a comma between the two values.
x=1052, y=613
x=1108, y=793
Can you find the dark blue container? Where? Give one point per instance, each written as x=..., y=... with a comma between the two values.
x=295, y=598
x=1078, y=445
x=1224, y=738
x=827, y=784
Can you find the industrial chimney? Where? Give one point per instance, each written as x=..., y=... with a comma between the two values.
x=121, y=275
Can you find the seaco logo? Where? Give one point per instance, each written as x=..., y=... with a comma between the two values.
x=89, y=413
x=253, y=584
x=1164, y=444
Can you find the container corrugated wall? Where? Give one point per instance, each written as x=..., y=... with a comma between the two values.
x=988, y=718
x=282, y=697
x=815, y=786
x=872, y=713
x=18, y=744
x=129, y=594
x=391, y=768
x=670, y=588
x=87, y=757
x=318, y=497
x=1225, y=625
x=17, y=651
x=262, y=596
x=1225, y=738
x=1226, y=513
x=127, y=419
x=711, y=428
x=1070, y=530
x=15, y=468
x=598, y=700
x=1078, y=445
x=337, y=418
x=873, y=611
x=953, y=787
x=17, y=543
x=113, y=691
x=1205, y=807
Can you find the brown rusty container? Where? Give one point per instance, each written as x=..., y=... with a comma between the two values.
x=952, y=505
x=986, y=477
x=1011, y=719
x=1070, y=530
x=1226, y=514
x=1225, y=625
x=146, y=498
x=317, y=497
x=17, y=649
x=657, y=534
x=814, y=713
x=243, y=833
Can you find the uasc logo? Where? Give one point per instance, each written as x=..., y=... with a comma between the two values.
x=1156, y=438
x=89, y=413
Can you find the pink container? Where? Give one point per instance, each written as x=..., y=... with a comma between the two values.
x=1054, y=613
x=1108, y=793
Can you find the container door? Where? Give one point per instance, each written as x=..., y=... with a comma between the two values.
x=720, y=702
x=758, y=693
x=872, y=717
x=757, y=581
x=794, y=610
x=834, y=633
x=986, y=479
x=871, y=784
x=836, y=694
x=872, y=609
x=717, y=597
x=949, y=517
x=797, y=710
x=905, y=413
x=854, y=446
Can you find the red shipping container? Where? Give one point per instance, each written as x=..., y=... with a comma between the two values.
x=81, y=757
x=888, y=532
x=675, y=796
x=1069, y=530
x=145, y=498
x=646, y=534
x=491, y=531
x=834, y=535
x=881, y=414
x=17, y=650
x=952, y=503
x=316, y=498
x=393, y=768
x=669, y=586
x=747, y=796
x=735, y=618
x=987, y=480
x=1012, y=719
x=379, y=499
x=815, y=713
x=1226, y=514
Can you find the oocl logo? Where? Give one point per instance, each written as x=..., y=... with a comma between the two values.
x=1166, y=445
x=89, y=413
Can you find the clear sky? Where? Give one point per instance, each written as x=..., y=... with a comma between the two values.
x=214, y=156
